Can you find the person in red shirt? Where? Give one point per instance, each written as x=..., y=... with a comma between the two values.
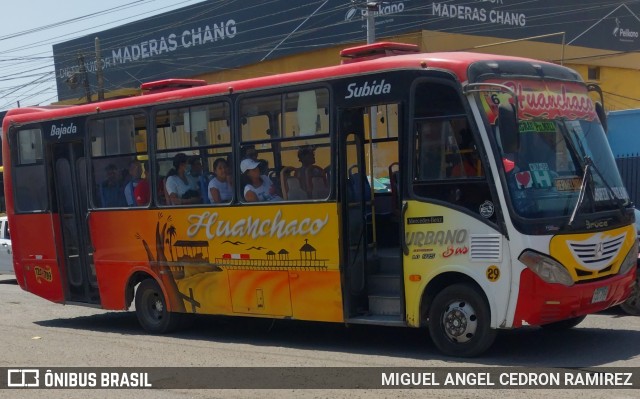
x=142, y=190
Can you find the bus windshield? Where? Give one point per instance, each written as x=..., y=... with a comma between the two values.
x=560, y=155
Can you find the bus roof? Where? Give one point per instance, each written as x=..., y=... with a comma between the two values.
x=455, y=62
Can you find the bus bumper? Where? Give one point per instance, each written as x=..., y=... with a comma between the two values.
x=541, y=303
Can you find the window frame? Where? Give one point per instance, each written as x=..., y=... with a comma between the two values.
x=139, y=112
x=155, y=159
x=39, y=163
x=276, y=140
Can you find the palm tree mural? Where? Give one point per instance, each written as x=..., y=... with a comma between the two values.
x=160, y=266
x=171, y=232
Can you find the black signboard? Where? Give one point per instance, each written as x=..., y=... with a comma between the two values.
x=69, y=129
x=221, y=34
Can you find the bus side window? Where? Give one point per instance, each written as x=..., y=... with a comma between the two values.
x=288, y=135
x=118, y=151
x=30, y=185
x=464, y=160
x=447, y=163
x=202, y=133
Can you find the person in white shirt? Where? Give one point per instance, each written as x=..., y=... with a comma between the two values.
x=220, y=189
x=259, y=187
x=181, y=188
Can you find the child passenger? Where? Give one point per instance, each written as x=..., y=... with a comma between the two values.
x=219, y=188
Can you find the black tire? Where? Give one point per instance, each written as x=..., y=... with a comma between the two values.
x=564, y=324
x=460, y=321
x=151, y=309
x=632, y=304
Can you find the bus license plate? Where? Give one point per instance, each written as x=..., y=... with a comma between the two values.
x=599, y=294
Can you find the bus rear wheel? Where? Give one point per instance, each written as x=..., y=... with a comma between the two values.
x=151, y=309
x=460, y=321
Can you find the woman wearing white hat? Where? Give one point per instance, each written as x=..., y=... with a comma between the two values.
x=259, y=187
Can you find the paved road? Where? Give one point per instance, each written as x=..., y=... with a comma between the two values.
x=37, y=333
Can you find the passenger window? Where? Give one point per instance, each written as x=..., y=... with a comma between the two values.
x=119, y=161
x=30, y=184
x=286, y=152
x=192, y=142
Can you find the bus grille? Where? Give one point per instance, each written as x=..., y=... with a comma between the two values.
x=597, y=252
x=486, y=247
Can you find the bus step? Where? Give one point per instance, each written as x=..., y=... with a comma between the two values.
x=389, y=263
x=384, y=284
x=378, y=319
x=385, y=305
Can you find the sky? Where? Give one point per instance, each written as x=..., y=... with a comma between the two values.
x=31, y=27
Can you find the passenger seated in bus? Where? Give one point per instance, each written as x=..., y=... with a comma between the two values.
x=112, y=189
x=463, y=167
x=258, y=187
x=430, y=156
x=135, y=175
x=142, y=191
x=465, y=156
x=308, y=170
x=181, y=188
x=195, y=172
x=250, y=152
x=219, y=188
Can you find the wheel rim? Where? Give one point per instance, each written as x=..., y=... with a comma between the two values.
x=460, y=321
x=155, y=307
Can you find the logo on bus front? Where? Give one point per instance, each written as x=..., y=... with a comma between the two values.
x=542, y=99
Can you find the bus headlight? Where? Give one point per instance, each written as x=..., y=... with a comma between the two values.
x=630, y=260
x=546, y=268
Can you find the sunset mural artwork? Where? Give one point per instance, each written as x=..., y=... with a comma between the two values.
x=221, y=274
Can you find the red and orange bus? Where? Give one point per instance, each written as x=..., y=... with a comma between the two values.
x=480, y=194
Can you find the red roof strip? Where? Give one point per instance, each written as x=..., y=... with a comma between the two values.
x=456, y=62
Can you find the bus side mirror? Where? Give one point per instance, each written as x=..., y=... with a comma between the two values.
x=508, y=125
x=599, y=105
x=602, y=115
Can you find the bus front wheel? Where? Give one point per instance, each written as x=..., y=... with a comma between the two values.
x=460, y=321
x=632, y=304
x=151, y=309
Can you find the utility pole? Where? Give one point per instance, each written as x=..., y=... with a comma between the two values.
x=99, y=75
x=85, y=77
x=372, y=8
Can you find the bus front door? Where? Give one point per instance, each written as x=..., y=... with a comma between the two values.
x=373, y=267
x=70, y=182
x=356, y=211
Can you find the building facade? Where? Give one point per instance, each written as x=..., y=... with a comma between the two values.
x=220, y=40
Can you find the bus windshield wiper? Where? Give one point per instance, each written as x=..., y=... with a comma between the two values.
x=588, y=162
x=586, y=176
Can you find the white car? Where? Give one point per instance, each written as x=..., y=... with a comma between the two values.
x=6, y=255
